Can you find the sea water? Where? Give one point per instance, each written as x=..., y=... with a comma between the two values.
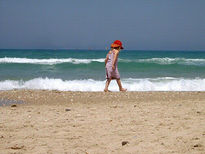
x=84, y=70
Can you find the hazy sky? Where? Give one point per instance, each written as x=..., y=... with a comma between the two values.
x=140, y=24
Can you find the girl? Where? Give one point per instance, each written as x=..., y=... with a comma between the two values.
x=111, y=65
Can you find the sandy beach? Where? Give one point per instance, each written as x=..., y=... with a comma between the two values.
x=102, y=123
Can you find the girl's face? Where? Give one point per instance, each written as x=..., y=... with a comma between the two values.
x=117, y=49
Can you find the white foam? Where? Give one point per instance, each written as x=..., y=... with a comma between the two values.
x=148, y=84
x=48, y=61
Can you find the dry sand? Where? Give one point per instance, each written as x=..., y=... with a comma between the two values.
x=96, y=122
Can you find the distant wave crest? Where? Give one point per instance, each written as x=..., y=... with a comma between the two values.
x=168, y=61
x=53, y=61
x=48, y=61
x=175, y=61
x=145, y=84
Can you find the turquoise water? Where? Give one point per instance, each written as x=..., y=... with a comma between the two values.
x=145, y=70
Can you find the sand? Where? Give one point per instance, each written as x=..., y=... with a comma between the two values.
x=102, y=123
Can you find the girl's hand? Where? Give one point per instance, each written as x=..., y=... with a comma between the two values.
x=113, y=67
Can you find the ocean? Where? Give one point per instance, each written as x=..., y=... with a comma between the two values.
x=84, y=70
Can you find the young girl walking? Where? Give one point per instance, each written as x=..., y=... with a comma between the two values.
x=111, y=65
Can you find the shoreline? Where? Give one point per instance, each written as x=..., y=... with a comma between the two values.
x=31, y=96
x=98, y=122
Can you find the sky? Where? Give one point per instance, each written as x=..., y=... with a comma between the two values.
x=95, y=24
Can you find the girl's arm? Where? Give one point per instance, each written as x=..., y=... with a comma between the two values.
x=106, y=59
x=115, y=59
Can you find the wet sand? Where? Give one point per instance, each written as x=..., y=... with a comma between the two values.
x=98, y=122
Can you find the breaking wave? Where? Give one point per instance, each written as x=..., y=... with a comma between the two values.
x=145, y=84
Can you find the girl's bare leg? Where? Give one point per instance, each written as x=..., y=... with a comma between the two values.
x=107, y=85
x=120, y=85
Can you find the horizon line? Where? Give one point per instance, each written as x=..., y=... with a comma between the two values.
x=100, y=49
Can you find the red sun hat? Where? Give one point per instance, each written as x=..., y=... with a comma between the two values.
x=117, y=43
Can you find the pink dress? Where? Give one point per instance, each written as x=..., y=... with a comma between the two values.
x=110, y=73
